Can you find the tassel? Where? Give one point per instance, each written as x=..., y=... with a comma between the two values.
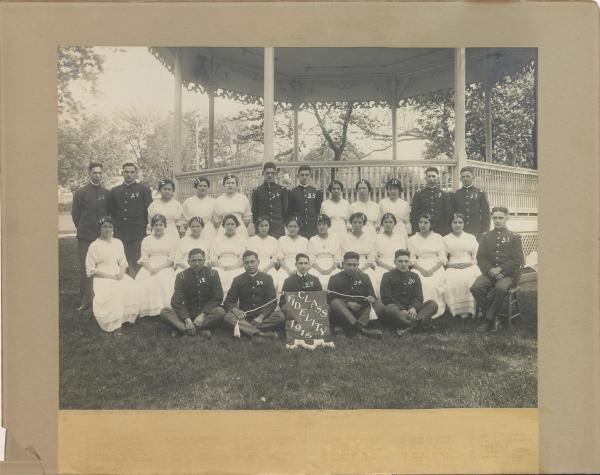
x=236, y=330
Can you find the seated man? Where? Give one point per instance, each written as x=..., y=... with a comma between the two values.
x=300, y=280
x=251, y=301
x=499, y=257
x=402, y=295
x=350, y=295
x=196, y=301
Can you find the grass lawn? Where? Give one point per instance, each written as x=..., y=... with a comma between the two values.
x=146, y=368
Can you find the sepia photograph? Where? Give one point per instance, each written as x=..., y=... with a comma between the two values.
x=297, y=228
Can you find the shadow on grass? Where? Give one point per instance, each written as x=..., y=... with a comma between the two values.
x=146, y=368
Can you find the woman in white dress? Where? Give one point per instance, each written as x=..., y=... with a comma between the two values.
x=194, y=240
x=428, y=257
x=366, y=206
x=461, y=270
x=265, y=246
x=287, y=248
x=363, y=244
x=227, y=250
x=233, y=202
x=169, y=207
x=156, y=277
x=397, y=206
x=116, y=297
x=338, y=210
x=387, y=242
x=201, y=205
x=325, y=251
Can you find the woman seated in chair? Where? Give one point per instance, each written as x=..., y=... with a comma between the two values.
x=461, y=270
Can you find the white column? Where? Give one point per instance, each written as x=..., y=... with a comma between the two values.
x=296, y=146
x=395, y=121
x=460, y=153
x=269, y=102
x=211, y=128
x=177, y=113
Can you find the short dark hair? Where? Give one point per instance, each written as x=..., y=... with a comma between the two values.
x=394, y=183
x=389, y=215
x=335, y=182
x=263, y=218
x=301, y=255
x=467, y=169
x=296, y=219
x=129, y=164
x=196, y=219
x=362, y=216
x=304, y=168
x=366, y=182
x=249, y=253
x=201, y=179
x=458, y=216
x=230, y=216
x=323, y=218
x=195, y=251
x=95, y=165
x=158, y=218
x=231, y=175
x=269, y=165
x=401, y=252
x=427, y=216
x=164, y=182
x=351, y=255
x=432, y=169
x=106, y=219
x=501, y=209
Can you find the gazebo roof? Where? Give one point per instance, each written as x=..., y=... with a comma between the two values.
x=330, y=75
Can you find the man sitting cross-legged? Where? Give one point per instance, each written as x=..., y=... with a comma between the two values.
x=350, y=296
x=196, y=301
x=300, y=280
x=402, y=295
x=251, y=301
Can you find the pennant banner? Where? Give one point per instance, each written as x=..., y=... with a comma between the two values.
x=310, y=326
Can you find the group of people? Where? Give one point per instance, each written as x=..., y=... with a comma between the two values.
x=231, y=259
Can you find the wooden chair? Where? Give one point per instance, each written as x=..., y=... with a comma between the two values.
x=511, y=307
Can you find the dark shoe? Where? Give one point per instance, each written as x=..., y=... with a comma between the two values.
x=377, y=334
x=272, y=335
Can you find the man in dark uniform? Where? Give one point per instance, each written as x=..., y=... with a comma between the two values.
x=472, y=204
x=300, y=280
x=270, y=200
x=89, y=206
x=500, y=257
x=128, y=205
x=402, y=295
x=433, y=201
x=251, y=301
x=305, y=203
x=196, y=302
x=350, y=295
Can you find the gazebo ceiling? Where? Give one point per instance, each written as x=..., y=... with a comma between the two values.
x=367, y=75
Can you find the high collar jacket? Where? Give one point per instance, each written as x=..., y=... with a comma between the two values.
x=500, y=248
x=305, y=203
x=358, y=285
x=128, y=205
x=270, y=200
x=296, y=283
x=401, y=288
x=435, y=202
x=90, y=204
x=473, y=204
x=250, y=292
x=196, y=291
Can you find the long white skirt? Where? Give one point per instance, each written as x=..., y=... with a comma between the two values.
x=156, y=290
x=458, y=289
x=115, y=302
x=433, y=287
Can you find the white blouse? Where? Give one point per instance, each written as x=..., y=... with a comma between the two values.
x=237, y=204
x=370, y=209
x=186, y=244
x=386, y=246
x=339, y=211
x=326, y=251
x=430, y=249
x=363, y=245
x=462, y=249
x=202, y=207
x=400, y=209
x=228, y=250
x=172, y=210
x=105, y=256
x=288, y=247
x=156, y=251
x=266, y=248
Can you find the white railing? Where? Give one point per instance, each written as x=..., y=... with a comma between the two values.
x=377, y=172
x=515, y=188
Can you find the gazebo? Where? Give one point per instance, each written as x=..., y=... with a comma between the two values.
x=370, y=77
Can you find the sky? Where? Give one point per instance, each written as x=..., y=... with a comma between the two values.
x=134, y=78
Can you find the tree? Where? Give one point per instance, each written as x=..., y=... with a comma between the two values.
x=75, y=63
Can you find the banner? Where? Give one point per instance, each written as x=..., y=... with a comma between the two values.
x=310, y=326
